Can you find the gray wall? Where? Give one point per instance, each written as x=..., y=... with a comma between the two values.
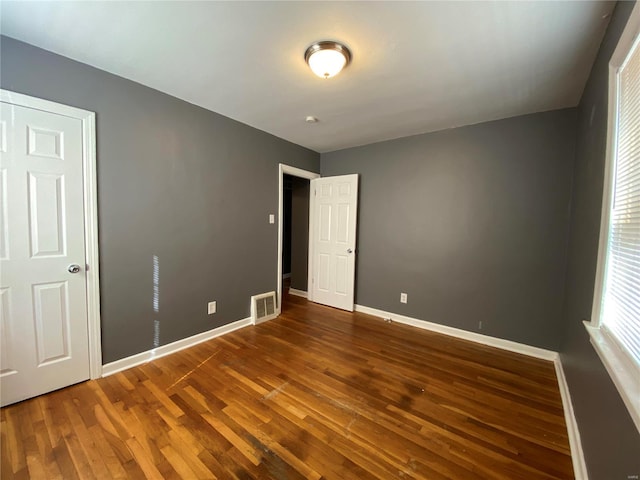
x=472, y=223
x=609, y=437
x=299, y=233
x=177, y=181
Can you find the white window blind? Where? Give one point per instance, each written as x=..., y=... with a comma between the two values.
x=621, y=300
x=615, y=325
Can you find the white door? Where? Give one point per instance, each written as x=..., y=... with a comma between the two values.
x=334, y=207
x=43, y=304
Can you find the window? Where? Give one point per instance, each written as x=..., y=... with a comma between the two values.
x=615, y=326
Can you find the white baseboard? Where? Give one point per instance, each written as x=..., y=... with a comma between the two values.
x=297, y=293
x=456, y=332
x=577, y=454
x=144, y=357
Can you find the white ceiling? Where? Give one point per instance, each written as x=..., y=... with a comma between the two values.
x=417, y=66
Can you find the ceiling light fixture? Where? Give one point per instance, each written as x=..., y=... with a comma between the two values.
x=326, y=59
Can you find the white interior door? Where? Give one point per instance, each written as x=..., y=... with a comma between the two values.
x=43, y=304
x=334, y=207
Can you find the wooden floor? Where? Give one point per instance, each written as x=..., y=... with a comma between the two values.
x=316, y=393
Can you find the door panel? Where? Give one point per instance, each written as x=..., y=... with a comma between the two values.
x=342, y=233
x=342, y=270
x=334, y=217
x=46, y=216
x=6, y=338
x=325, y=223
x=4, y=204
x=44, y=309
x=44, y=142
x=52, y=321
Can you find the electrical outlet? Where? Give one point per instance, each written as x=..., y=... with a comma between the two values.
x=272, y=218
x=211, y=308
x=403, y=298
x=480, y=325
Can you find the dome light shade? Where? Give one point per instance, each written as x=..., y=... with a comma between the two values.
x=327, y=59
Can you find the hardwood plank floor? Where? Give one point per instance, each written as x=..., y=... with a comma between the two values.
x=316, y=393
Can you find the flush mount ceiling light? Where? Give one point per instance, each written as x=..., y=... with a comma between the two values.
x=327, y=59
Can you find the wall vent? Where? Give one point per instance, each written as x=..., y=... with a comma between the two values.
x=263, y=307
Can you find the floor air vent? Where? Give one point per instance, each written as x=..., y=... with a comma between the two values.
x=263, y=307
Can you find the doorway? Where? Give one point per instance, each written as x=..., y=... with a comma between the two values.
x=295, y=235
x=293, y=230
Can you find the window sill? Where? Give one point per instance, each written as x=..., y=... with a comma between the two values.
x=624, y=373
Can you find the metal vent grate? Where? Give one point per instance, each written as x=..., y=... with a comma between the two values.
x=263, y=307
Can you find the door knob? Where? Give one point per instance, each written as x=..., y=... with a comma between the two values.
x=73, y=268
x=349, y=250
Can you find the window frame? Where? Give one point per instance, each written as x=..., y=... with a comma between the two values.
x=624, y=372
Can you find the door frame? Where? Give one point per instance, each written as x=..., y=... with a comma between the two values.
x=283, y=170
x=90, y=206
